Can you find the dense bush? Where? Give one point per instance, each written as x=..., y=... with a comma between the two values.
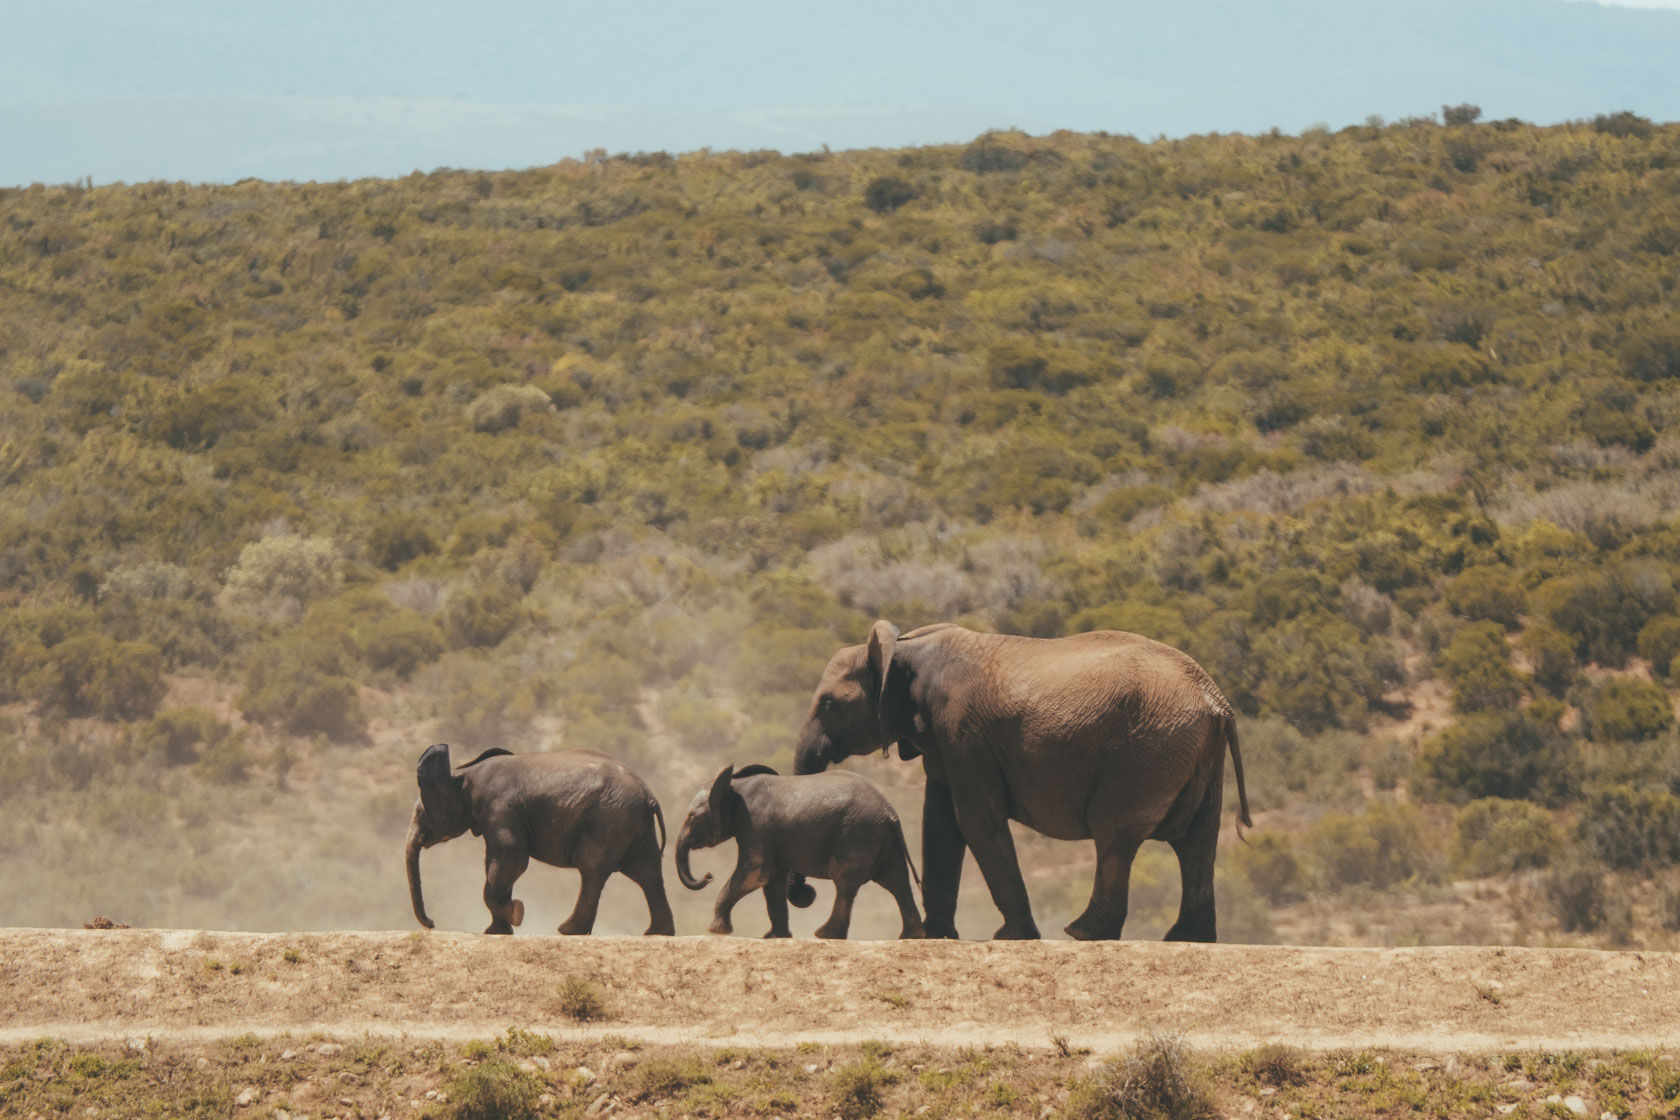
x=1493, y=754
x=1268, y=862
x=1493, y=836
x=1477, y=663
x=1624, y=709
x=1383, y=845
x=495, y=1089
x=1487, y=592
x=1659, y=643
x=1580, y=895
x=177, y=736
x=1157, y=1080
x=90, y=674
x=1551, y=657
x=1626, y=827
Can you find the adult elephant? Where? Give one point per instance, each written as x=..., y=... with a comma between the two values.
x=1105, y=736
x=576, y=808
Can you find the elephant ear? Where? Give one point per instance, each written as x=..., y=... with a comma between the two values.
x=440, y=791
x=883, y=640
x=717, y=801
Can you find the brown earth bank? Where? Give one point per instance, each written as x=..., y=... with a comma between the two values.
x=92, y=985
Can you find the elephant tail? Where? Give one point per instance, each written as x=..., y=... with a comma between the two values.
x=659, y=820
x=1236, y=764
x=904, y=846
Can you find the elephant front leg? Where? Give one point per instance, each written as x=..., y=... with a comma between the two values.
x=733, y=891
x=986, y=828
x=942, y=860
x=501, y=871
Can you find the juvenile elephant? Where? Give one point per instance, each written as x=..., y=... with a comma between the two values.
x=1105, y=736
x=832, y=826
x=576, y=808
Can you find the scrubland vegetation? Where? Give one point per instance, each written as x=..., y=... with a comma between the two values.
x=525, y=1074
x=295, y=478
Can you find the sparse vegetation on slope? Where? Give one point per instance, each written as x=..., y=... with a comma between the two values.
x=616, y=452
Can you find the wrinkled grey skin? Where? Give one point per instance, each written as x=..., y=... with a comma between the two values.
x=832, y=826
x=577, y=809
x=1104, y=736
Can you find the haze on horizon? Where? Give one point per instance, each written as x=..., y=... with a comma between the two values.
x=204, y=91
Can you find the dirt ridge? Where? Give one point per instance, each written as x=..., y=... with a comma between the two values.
x=86, y=985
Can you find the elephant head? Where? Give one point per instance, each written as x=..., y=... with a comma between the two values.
x=708, y=824
x=442, y=813
x=860, y=705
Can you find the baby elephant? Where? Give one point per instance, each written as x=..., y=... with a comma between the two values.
x=832, y=825
x=575, y=808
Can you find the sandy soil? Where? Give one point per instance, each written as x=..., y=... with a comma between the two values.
x=181, y=984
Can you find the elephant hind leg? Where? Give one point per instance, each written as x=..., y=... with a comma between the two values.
x=643, y=869
x=582, y=919
x=895, y=877
x=1196, y=849
x=1105, y=914
x=840, y=919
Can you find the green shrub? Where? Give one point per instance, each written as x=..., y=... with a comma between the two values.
x=1268, y=862
x=397, y=538
x=1626, y=710
x=1604, y=610
x=301, y=686
x=90, y=674
x=855, y=1089
x=282, y=575
x=1158, y=1080
x=1319, y=671
x=1492, y=836
x=503, y=406
x=660, y=1078
x=1383, y=845
x=582, y=1000
x=1659, y=642
x=176, y=736
x=1491, y=754
x=1477, y=662
x=1578, y=893
x=402, y=642
x=494, y=1089
x=1276, y=1064
x=1626, y=827
x=887, y=193
x=482, y=616
x=1487, y=593
x=1652, y=354
x=1551, y=656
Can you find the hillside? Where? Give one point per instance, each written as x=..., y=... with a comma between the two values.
x=296, y=478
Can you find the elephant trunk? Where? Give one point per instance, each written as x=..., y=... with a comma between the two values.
x=416, y=841
x=685, y=842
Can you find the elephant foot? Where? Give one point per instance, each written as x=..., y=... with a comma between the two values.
x=942, y=930
x=516, y=912
x=573, y=928
x=831, y=933
x=660, y=929
x=1082, y=929
x=912, y=933
x=500, y=927
x=1013, y=931
x=777, y=934
x=722, y=929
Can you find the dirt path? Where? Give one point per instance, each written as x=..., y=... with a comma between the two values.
x=89, y=985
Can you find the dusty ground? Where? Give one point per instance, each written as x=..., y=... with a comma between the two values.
x=181, y=984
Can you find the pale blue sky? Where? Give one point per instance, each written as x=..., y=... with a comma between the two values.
x=324, y=89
